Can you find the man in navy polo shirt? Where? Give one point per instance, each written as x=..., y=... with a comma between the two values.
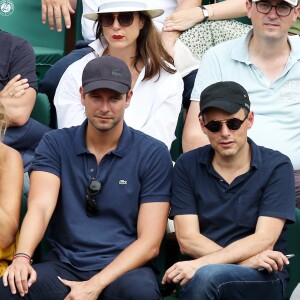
x=104, y=189
x=231, y=201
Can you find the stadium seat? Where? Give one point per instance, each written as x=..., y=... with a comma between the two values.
x=41, y=109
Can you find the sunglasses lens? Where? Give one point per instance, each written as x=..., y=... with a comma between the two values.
x=124, y=18
x=234, y=124
x=107, y=19
x=214, y=126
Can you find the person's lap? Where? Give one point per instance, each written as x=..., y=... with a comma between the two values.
x=232, y=282
x=137, y=284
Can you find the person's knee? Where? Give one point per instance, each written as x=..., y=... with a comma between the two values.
x=205, y=283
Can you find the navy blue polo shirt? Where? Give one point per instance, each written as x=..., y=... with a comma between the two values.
x=229, y=212
x=139, y=171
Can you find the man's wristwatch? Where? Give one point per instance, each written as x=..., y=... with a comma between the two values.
x=205, y=13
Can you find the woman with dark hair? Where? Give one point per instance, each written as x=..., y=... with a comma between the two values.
x=124, y=29
x=11, y=182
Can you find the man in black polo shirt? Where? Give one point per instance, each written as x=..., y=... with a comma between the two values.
x=231, y=201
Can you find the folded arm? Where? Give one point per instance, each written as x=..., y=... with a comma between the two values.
x=190, y=15
x=18, y=98
x=253, y=251
x=169, y=37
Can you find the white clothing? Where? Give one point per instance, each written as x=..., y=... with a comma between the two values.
x=184, y=66
x=88, y=6
x=154, y=107
x=87, y=26
x=167, y=5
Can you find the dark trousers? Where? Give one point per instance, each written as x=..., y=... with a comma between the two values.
x=138, y=284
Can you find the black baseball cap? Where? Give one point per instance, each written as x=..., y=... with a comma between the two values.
x=106, y=72
x=225, y=95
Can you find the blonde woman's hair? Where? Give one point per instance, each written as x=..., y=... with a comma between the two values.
x=3, y=121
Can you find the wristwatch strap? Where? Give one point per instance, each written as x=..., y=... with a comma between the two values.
x=205, y=13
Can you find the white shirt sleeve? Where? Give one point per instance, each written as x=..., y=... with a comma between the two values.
x=67, y=100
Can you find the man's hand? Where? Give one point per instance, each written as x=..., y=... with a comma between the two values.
x=19, y=276
x=81, y=290
x=183, y=20
x=57, y=9
x=15, y=88
x=181, y=272
x=272, y=261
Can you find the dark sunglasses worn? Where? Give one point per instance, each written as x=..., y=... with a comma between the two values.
x=125, y=19
x=92, y=190
x=232, y=124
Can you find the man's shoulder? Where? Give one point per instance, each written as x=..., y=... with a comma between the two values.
x=192, y=157
x=8, y=41
x=62, y=133
x=270, y=156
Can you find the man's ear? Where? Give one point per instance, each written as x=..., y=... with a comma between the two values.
x=82, y=96
x=200, y=118
x=248, y=7
x=250, y=119
x=128, y=98
x=296, y=13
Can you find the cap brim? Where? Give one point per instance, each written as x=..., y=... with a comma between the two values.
x=229, y=107
x=152, y=13
x=106, y=84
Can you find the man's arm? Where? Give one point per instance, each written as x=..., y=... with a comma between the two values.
x=145, y=248
x=193, y=137
x=43, y=194
x=252, y=251
x=11, y=182
x=56, y=10
x=190, y=239
x=210, y=71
